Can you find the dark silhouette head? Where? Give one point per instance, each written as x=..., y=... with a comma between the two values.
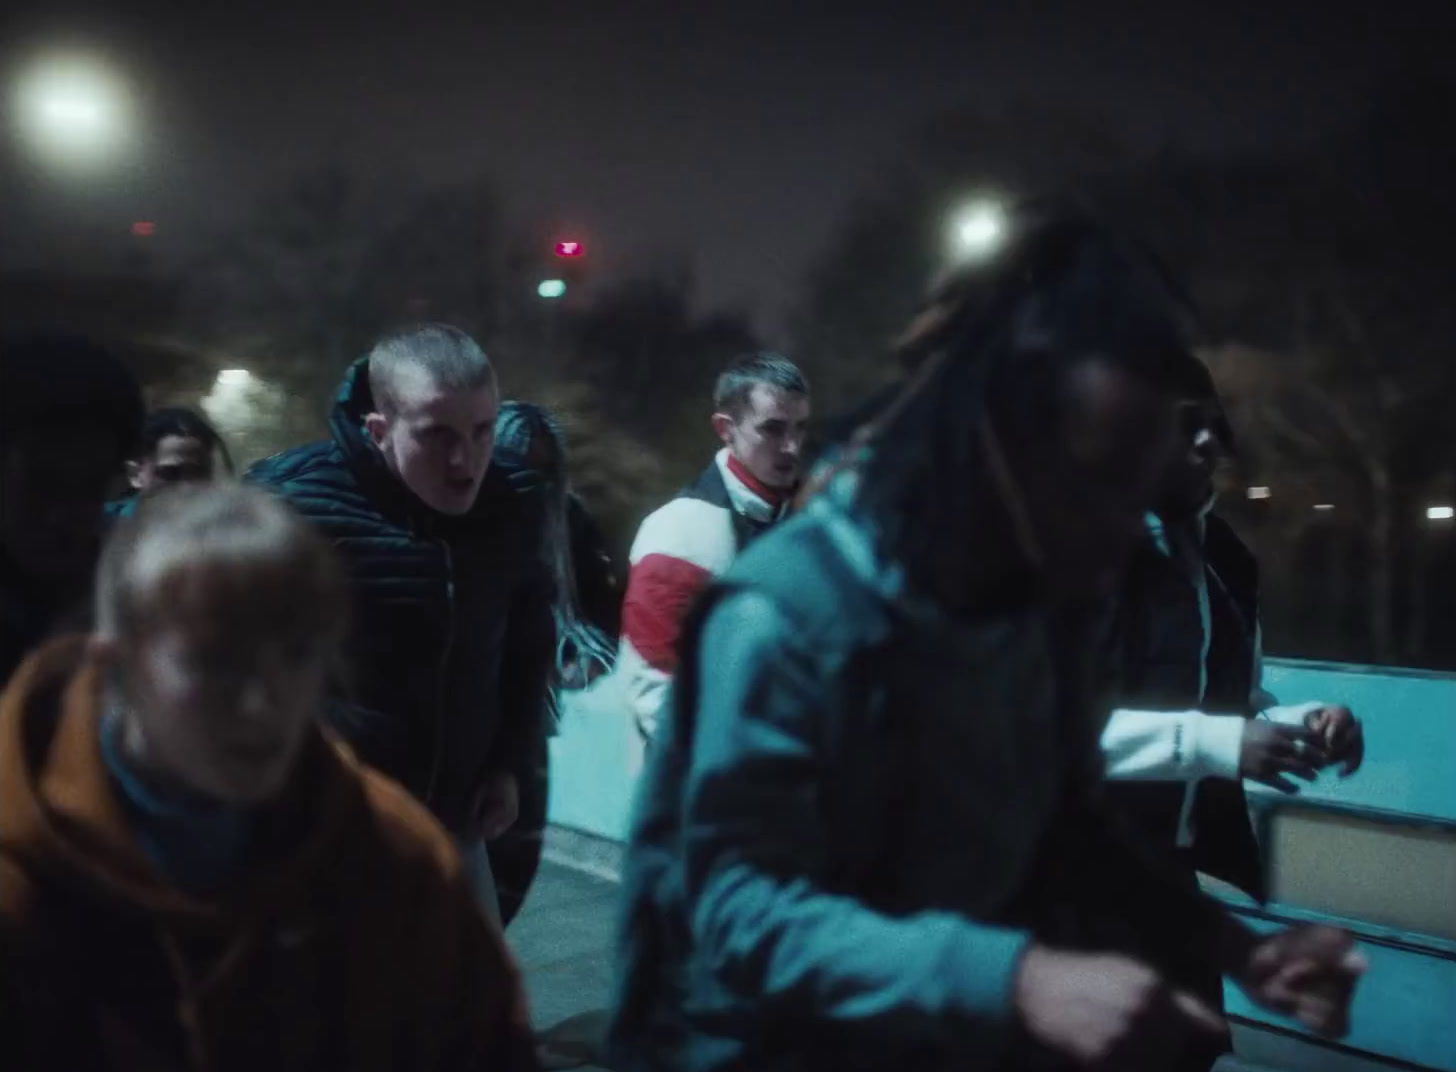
x=1037, y=414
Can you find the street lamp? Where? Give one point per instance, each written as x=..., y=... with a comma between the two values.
x=71, y=109
x=977, y=230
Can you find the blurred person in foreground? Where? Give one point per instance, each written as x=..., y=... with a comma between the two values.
x=873, y=832
x=177, y=446
x=70, y=413
x=192, y=873
x=586, y=609
x=1194, y=718
x=448, y=664
x=761, y=415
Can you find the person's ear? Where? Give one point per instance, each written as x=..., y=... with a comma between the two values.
x=134, y=475
x=377, y=425
x=723, y=428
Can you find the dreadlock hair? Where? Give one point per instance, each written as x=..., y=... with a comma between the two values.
x=185, y=424
x=533, y=439
x=987, y=359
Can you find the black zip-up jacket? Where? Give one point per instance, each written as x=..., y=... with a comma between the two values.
x=445, y=681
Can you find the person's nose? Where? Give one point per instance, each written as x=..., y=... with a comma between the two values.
x=459, y=456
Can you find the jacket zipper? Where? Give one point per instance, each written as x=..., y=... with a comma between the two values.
x=442, y=681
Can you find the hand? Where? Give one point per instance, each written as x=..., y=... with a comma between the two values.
x=497, y=804
x=1270, y=751
x=1341, y=736
x=1308, y=973
x=1104, y=1011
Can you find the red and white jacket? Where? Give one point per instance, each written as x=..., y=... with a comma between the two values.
x=680, y=548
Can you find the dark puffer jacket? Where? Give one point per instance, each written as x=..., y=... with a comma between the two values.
x=435, y=598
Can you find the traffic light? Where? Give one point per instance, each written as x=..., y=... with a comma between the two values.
x=570, y=248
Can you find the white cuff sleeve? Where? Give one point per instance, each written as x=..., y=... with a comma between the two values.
x=1171, y=746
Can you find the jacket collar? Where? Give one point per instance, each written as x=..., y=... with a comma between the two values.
x=745, y=495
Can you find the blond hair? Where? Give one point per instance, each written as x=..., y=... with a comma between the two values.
x=222, y=557
x=444, y=356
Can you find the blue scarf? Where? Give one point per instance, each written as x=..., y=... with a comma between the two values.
x=198, y=846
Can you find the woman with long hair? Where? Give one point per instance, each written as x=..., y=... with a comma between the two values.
x=586, y=609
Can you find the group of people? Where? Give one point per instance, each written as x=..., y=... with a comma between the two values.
x=943, y=722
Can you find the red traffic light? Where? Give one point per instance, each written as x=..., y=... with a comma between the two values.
x=144, y=228
x=570, y=249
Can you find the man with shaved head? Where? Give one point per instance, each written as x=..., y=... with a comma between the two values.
x=447, y=668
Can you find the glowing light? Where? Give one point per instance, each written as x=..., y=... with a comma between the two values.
x=234, y=377
x=551, y=288
x=144, y=228
x=1440, y=513
x=71, y=109
x=1260, y=493
x=570, y=248
x=977, y=231
x=1324, y=506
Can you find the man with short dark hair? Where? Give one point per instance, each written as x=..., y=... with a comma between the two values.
x=1194, y=718
x=70, y=413
x=454, y=636
x=761, y=415
x=177, y=446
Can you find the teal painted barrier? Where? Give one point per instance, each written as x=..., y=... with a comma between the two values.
x=1410, y=733
x=1410, y=730
x=595, y=761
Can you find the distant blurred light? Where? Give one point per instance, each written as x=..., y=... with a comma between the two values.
x=1260, y=493
x=570, y=248
x=1440, y=513
x=73, y=111
x=551, y=288
x=71, y=108
x=234, y=377
x=1324, y=506
x=144, y=228
x=977, y=230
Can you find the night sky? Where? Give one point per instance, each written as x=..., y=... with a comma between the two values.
x=733, y=133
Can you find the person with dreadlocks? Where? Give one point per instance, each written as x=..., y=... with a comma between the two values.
x=874, y=813
x=587, y=597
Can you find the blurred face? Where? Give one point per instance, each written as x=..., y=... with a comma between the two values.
x=438, y=442
x=224, y=717
x=52, y=491
x=1086, y=497
x=177, y=460
x=768, y=436
x=1188, y=486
